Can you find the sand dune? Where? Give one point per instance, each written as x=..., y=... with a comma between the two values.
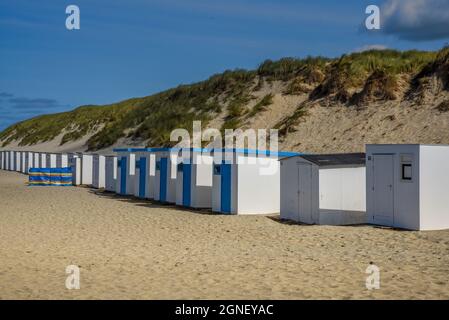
x=131, y=249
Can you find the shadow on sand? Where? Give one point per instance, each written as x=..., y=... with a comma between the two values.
x=146, y=203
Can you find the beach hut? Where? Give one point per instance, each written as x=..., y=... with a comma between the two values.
x=23, y=161
x=7, y=160
x=99, y=171
x=51, y=160
x=18, y=164
x=42, y=160
x=165, y=174
x=87, y=161
x=12, y=166
x=12, y=160
x=36, y=160
x=126, y=170
x=29, y=161
x=111, y=173
x=324, y=189
x=195, y=179
x=247, y=182
x=407, y=186
x=75, y=165
x=2, y=160
x=62, y=160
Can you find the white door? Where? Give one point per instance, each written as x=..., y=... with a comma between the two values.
x=383, y=189
x=305, y=193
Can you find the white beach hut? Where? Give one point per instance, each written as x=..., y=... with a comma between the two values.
x=62, y=160
x=18, y=165
x=51, y=160
x=12, y=161
x=36, y=160
x=23, y=160
x=247, y=182
x=195, y=179
x=324, y=189
x=126, y=170
x=29, y=161
x=407, y=186
x=42, y=160
x=2, y=160
x=87, y=161
x=99, y=171
x=7, y=160
x=165, y=174
x=111, y=173
x=75, y=165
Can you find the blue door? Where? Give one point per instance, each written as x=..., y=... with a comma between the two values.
x=225, y=188
x=186, y=186
x=142, y=176
x=163, y=180
x=123, y=165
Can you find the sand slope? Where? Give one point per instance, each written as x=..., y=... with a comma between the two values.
x=130, y=249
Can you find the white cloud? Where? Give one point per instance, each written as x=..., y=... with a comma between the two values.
x=416, y=20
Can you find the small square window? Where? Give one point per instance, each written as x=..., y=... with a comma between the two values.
x=217, y=170
x=406, y=171
x=158, y=165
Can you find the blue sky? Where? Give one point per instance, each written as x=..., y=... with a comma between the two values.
x=134, y=48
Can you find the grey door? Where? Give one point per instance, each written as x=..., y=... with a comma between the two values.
x=383, y=189
x=305, y=193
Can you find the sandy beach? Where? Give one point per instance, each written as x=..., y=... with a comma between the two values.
x=130, y=249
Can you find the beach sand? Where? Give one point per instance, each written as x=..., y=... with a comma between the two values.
x=130, y=249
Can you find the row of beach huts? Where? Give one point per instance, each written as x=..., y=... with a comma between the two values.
x=403, y=186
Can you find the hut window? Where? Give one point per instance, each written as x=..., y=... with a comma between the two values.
x=407, y=171
x=137, y=164
x=158, y=165
x=217, y=170
x=179, y=167
x=406, y=167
